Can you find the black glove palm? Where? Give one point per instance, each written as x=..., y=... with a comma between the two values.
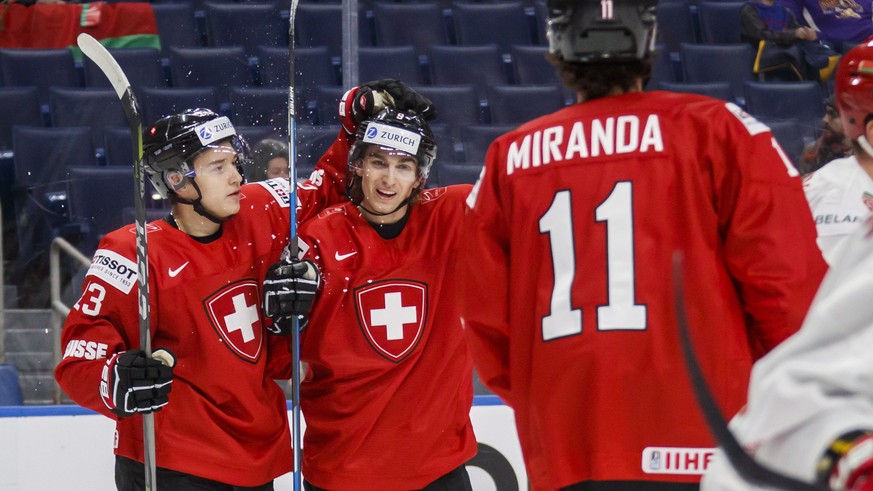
x=132, y=383
x=289, y=290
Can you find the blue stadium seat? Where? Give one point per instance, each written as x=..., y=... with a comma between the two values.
x=531, y=67
x=142, y=66
x=18, y=106
x=312, y=142
x=540, y=16
x=481, y=66
x=514, y=104
x=10, y=387
x=399, y=62
x=259, y=106
x=42, y=68
x=118, y=146
x=803, y=101
x=792, y=136
x=94, y=108
x=675, y=24
x=326, y=105
x=158, y=102
x=224, y=21
x=503, y=23
x=717, y=63
x=254, y=134
x=176, y=26
x=312, y=67
x=478, y=137
x=451, y=174
x=320, y=24
x=392, y=23
x=719, y=21
x=663, y=68
x=96, y=197
x=457, y=105
x=40, y=190
x=211, y=67
x=719, y=90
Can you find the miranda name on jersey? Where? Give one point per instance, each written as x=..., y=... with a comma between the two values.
x=612, y=136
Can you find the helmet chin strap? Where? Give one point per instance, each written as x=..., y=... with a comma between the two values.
x=864, y=144
x=198, y=206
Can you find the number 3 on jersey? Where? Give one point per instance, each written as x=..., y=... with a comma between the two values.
x=621, y=311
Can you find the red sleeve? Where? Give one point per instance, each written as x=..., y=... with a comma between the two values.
x=103, y=321
x=486, y=324
x=768, y=235
x=327, y=184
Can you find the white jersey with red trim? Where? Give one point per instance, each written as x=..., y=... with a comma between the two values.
x=840, y=195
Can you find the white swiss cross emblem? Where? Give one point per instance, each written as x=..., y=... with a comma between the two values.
x=392, y=315
x=235, y=314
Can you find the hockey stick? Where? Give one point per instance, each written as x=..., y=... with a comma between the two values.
x=745, y=465
x=100, y=56
x=296, y=440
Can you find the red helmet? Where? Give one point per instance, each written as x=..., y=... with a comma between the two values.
x=854, y=88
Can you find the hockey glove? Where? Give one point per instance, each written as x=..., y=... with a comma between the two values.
x=848, y=463
x=289, y=290
x=362, y=103
x=132, y=383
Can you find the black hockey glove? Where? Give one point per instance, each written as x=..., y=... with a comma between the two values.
x=289, y=290
x=132, y=383
x=402, y=97
x=362, y=103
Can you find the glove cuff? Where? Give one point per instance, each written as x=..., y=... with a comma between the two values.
x=347, y=111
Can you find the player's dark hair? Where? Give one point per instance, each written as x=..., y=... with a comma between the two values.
x=597, y=80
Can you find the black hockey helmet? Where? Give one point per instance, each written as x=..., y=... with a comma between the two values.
x=588, y=31
x=172, y=141
x=404, y=131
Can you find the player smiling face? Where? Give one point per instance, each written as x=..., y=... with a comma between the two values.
x=388, y=178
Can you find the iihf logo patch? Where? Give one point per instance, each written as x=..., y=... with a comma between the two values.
x=372, y=131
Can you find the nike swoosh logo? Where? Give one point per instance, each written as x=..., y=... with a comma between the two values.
x=340, y=257
x=174, y=272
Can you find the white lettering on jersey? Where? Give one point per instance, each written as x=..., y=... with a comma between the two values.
x=474, y=193
x=280, y=189
x=89, y=350
x=753, y=126
x=393, y=316
x=610, y=136
x=114, y=269
x=677, y=460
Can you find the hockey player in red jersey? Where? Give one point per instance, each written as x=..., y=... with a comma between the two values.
x=388, y=388
x=225, y=423
x=571, y=230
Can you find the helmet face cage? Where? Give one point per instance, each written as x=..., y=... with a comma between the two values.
x=396, y=130
x=170, y=145
x=601, y=30
x=853, y=86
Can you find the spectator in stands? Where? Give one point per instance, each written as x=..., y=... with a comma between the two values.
x=270, y=160
x=778, y=40
x=840, y=23
x=831, y=144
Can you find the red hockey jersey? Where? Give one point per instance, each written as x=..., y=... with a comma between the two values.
x=568, y=294
x=226, y=419
x=388, y=389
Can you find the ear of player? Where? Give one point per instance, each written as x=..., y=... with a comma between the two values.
x=366, y=101
x=133, y=383
x=289, y=290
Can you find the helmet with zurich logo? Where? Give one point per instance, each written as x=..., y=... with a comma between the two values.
x=170, y=144
x=397, y=131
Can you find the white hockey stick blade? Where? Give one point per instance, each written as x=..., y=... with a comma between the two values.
x=99, y=55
